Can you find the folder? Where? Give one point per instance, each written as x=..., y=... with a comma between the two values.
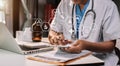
x=58, y=57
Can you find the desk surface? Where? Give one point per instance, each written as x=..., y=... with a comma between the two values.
x=8, y=58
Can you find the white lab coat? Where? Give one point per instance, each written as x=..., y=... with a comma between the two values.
x=107, y=24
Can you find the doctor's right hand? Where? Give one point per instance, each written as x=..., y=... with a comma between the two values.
x=56, y=38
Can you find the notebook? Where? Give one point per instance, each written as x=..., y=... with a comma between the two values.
x=7, y=42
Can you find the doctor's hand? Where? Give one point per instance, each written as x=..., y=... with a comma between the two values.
x=76, y=47
x=56, y=38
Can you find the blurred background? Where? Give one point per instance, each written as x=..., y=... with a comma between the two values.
x=19, y=14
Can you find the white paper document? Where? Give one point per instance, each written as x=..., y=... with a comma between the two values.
x=61, y=56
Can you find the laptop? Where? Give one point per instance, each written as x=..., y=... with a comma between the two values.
x=7, y=42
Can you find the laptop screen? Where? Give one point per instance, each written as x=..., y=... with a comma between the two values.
x=7, y=42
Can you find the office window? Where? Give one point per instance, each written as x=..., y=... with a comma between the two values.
x=2, y=16
x=2, y=10
x=6, y=13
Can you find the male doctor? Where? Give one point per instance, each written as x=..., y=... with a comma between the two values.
x=88, y=25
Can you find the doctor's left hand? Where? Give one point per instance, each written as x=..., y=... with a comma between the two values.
x=77, y=47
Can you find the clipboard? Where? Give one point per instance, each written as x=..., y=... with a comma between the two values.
x=56, y=61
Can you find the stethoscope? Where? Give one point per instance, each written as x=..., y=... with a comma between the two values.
x=73, y=36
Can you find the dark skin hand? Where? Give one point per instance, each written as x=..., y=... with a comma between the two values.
x=79, y=45
x=56, y=38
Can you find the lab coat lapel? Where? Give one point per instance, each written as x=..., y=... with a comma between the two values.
x=80, y=28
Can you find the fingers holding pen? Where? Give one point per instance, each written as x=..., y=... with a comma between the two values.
x=57, y=38
x=54, y=40
x=53, y=37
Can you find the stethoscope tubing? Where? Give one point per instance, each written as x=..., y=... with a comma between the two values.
x=73, y=36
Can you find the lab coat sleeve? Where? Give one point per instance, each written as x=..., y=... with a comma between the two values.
x=111, y=24
x=58, y=19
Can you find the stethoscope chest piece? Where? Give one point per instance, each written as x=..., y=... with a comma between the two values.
x=73, y=36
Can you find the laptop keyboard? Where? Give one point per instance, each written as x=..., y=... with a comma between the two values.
x=27, y=50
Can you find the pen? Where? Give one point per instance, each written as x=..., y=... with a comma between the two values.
x=61, y=46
